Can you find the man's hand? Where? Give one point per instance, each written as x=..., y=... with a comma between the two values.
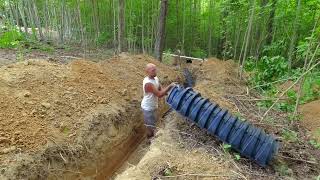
x=173, y=84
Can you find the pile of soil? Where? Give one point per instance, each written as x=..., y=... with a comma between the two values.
x=52, y=114
x=311, y=118
x=218, y=79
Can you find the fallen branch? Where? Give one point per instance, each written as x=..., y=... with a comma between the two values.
x=281, y=80
x=202, y=175
x=306, y=72
x=262, y=99
x=295, y=159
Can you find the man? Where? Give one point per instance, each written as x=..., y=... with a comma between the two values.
x=151, y=92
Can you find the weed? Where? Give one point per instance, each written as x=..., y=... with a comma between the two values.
x=226, y=147
x=237, y=157
x=283, y=170
x=289, y=135
x=314, y=143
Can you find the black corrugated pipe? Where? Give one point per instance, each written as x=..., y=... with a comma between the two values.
x=250, y=141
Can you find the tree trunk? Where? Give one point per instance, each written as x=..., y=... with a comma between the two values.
x=294, y=34
x=248, y=37
x=210, y=28
x=37, y=19
x=183, y=26
x=159, y=44
x=80, y=22
x=23, y=18
x=31, y=18
x=121, y=32
x=142, y=27
x=270, y=23
x=114, y=27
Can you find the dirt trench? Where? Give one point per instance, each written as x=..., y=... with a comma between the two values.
x=71, y=121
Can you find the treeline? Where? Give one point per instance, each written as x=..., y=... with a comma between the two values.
x=237, y=29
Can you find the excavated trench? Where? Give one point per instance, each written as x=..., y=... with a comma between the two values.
x=123, y=152
x=133, y=149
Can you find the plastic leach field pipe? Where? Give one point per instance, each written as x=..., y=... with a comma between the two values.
x=249, y=141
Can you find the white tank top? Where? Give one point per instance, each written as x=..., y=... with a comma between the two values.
x=150, y=101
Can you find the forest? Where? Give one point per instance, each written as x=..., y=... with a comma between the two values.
x=274, y=43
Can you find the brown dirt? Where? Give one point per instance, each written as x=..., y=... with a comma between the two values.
x=218, y=79
x=45, y=103
x=311, y=118
x=169, y=157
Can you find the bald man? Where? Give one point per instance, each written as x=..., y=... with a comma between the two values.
x=151, y=92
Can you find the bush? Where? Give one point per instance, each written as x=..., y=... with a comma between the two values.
x=198, y=52
x=268, y=69
x=10, y=39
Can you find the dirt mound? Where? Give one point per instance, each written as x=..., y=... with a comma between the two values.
x=218, y=79
x=43, y=102
x=311, y=118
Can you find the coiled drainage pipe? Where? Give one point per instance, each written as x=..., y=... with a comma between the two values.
x=250, y=141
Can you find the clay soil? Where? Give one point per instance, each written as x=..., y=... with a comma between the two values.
x=311, y=118
x=55, y=116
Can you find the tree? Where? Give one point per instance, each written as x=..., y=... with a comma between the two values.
x=121, y=32
x=159, y=44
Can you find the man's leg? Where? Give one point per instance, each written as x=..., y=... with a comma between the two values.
x=150, y=122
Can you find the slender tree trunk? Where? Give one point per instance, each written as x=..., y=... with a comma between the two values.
x=95, y=20
x=12, y=19
x=114, y=27
x=248, y=37
x=210, y=28
x=23, y=18
x=142, y=27
x=177, y=20
x=270, y=23
x=183, y=26
x=16, y=15
x=294, y=34
x=121, y=32
x=31, y=18
x=80, y=22
x=159, y=45
x=238, y=33
x=37, y=19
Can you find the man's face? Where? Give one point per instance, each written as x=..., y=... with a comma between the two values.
x=152, y=71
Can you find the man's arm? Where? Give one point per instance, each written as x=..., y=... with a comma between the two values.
x=149, y=87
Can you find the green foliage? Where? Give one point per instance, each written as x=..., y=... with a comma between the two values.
x=167, y=172
x=167, y=59
x=289, y=135
x=226, y=147
x=311, y=87
x=275, y=49
x=267, y=69
x=198, y=52
x=237, y=157
x=283, y=169
x=314, y=143
x=103, y=38
x=10, y=39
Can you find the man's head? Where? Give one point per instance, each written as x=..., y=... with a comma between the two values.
x=151, y=70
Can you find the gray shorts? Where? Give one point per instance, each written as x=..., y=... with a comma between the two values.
x=149, y=118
